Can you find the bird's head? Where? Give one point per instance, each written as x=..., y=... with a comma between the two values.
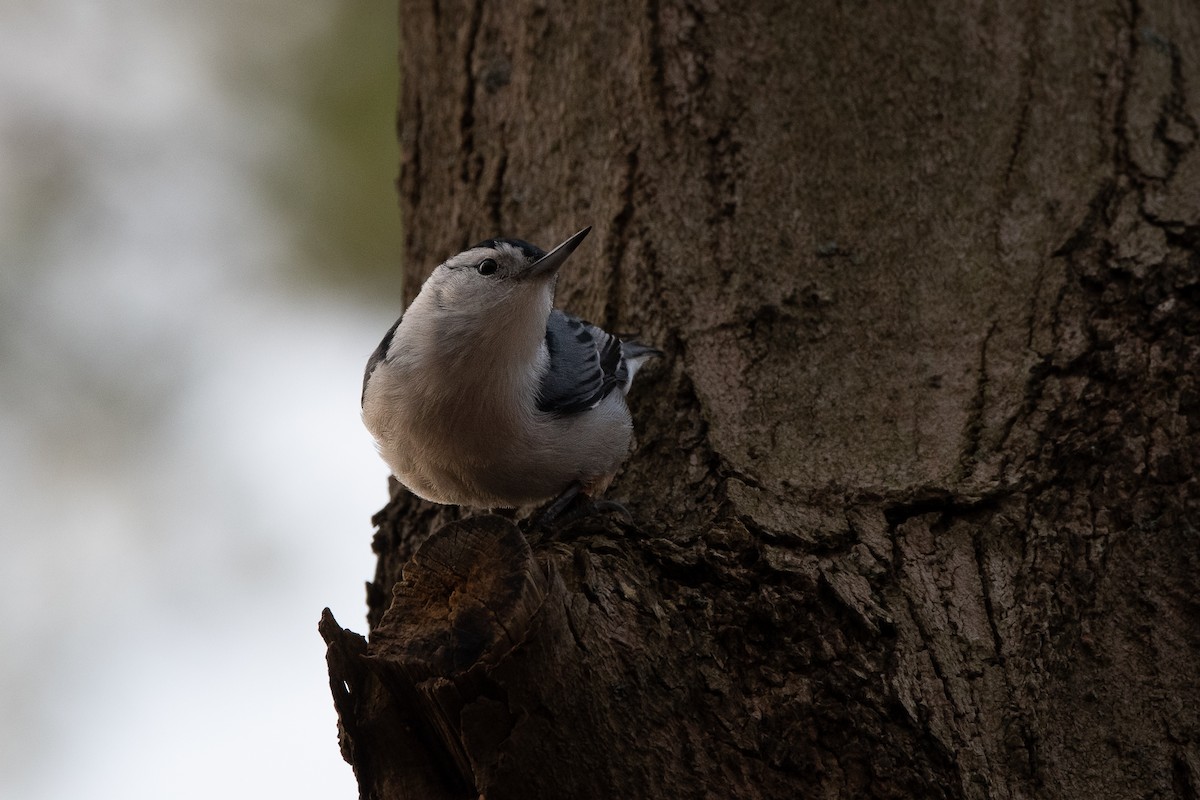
x=496, y=272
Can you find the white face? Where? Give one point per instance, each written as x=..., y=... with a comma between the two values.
x=496, y=272
x=497, y=260
x=486, y=276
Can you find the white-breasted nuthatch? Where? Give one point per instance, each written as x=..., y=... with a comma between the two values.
x=483, y=394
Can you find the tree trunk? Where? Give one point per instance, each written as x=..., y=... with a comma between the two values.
x=915, y=499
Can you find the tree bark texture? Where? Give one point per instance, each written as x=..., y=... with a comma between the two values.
x=915, y=500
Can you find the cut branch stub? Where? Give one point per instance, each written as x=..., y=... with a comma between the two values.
x=497, y=666
x=466, y=599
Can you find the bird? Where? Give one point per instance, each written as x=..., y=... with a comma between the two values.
x=484, y=395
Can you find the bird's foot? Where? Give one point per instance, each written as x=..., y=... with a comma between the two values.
x=593, y=508
x=573, y=505
x=548, y=513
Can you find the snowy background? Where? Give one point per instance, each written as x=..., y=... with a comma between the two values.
x=198, y=250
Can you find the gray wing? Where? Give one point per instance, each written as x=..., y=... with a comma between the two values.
x=586, y=364
x=379, y=355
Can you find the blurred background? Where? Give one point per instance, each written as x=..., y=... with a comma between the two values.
x=199, y=247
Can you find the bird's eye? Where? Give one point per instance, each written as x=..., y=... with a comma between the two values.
x=487, y=266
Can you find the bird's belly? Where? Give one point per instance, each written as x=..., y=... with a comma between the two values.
x=484, y=462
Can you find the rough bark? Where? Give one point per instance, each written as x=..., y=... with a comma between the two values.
x=915, y=499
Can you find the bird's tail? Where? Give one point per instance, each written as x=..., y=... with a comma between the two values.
x=635, y=355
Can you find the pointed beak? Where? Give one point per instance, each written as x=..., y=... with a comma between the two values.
x=549, y=263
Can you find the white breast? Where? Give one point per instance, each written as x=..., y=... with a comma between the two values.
x=463, y=428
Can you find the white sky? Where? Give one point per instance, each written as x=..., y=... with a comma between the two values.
x=184, y=479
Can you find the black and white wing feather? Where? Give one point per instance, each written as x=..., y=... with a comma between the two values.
x=586, y=363
x=379, y=355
